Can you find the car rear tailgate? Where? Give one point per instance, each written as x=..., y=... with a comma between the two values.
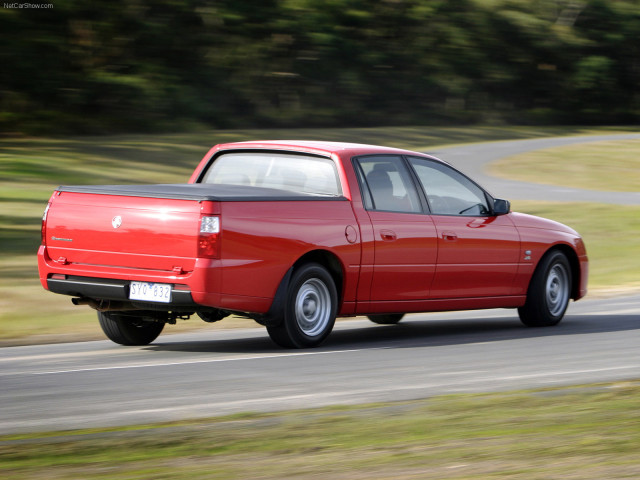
x=123, y=231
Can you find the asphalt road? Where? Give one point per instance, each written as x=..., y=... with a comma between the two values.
x=81, y=385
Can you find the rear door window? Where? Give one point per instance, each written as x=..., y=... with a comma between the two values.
x=386, y=184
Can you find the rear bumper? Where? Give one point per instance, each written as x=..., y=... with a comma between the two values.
x=191, y=291
x=113, y=289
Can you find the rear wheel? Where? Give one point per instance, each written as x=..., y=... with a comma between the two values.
x=310, y=309
x=129, y=330
x=549, y=292
x=388, y=319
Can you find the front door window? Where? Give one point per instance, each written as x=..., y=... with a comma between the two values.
x=448, y=191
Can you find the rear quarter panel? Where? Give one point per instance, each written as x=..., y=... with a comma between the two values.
x=262, y=240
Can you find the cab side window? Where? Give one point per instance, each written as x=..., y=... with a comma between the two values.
x=386, y=184
x=448, y=191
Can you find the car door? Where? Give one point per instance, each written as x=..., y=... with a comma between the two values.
x=478, y=252
x=405, y=243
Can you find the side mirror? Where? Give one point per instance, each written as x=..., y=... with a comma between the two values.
x=501, y=207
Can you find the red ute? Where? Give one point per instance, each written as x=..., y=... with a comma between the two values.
x=293, y=234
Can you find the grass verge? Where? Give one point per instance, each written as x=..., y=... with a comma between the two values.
x=607, y=166
x=588, y=432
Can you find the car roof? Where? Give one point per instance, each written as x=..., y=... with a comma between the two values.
x=317, y=147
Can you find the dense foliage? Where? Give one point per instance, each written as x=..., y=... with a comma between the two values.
x=133, y=65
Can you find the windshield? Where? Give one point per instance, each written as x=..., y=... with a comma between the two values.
x=291, y=172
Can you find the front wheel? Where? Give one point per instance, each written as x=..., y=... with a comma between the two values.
x=549, y=292
x=128, y=330
x=310, y=310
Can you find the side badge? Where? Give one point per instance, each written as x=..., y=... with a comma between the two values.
x=116, y=221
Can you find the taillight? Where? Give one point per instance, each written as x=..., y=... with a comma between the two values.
x=209, y=237
x=43, y=228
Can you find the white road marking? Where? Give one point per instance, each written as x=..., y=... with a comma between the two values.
x=54, y=356
x=195, y=362
x=611, y=312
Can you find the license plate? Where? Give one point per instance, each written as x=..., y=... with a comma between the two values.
x=150, y=292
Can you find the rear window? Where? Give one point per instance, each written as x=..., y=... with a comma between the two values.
x=291, y=172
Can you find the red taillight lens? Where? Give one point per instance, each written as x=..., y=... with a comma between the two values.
x=43, y=228
x=208, y=246
x=209, y=237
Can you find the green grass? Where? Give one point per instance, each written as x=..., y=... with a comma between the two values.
x=589, y=432
x=31, y=168
x=606, y=166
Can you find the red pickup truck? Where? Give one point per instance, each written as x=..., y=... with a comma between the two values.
x=294, y=234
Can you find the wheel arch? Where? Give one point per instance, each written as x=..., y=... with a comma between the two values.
x=325, y=258
x=574, y=264
x=331, y=262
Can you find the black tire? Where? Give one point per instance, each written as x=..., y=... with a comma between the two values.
x=387, y=319
x=310, y=309
x=549, y=292
x=128, y=330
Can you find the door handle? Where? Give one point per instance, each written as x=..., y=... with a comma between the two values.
x=388, y=235
x=449, y=236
